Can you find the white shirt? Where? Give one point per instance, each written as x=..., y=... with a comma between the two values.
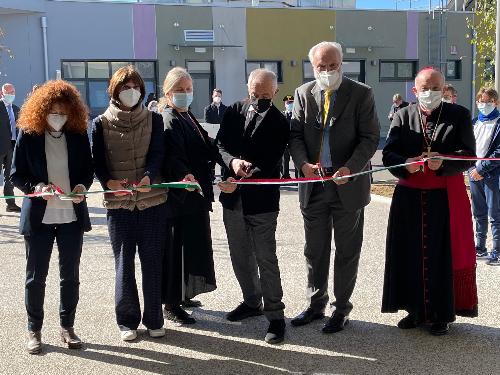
x=56, y=151
x=483, y=132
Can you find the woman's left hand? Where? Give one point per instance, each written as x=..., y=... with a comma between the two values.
x=79, y=189
x=145, y=181
x=227, y=186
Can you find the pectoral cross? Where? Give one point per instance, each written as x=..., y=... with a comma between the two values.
x=428, y=151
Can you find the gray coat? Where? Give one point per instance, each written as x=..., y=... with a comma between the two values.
x=354, y=136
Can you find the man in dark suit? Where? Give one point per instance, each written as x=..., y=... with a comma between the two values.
x=397, y=104
x=251, y=141
x=288, y=101
x=8, y=135
x=334, y=132
x=215, y=111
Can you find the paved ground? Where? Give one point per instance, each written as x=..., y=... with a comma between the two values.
x=370, y=345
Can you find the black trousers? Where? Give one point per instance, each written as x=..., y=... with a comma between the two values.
x=5, y=164
x=141, y=231
x=39, y=246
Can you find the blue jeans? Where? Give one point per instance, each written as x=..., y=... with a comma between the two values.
x=486, y=203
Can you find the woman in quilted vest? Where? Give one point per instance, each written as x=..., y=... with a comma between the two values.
x=128, y=151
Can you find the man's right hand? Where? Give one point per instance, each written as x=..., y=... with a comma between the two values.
x=241, y=167
x=310, y=170
x=117, y=185
x=47, y=189
x=414, y=167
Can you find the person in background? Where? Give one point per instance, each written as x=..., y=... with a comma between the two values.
x=397, y=104
x=8, y=135
x=285, y=170
x=128, y=151
x=215, y=111
x=151, y=97
x=483, y=177
x=450, y=94
x=53, y=151
x=188, y=264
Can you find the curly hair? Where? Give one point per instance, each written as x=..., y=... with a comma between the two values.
x=34, y=112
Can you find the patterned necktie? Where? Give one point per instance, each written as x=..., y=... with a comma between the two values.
x=326, y=106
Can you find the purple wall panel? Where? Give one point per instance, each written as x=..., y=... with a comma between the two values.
x=144, y=21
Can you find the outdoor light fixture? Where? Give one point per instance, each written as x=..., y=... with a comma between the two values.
x=172, y=62
x=176, y=24
x=293, y=63
x=177, y=48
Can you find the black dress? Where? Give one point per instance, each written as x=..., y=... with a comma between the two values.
x=188, y=265
x=419, y=275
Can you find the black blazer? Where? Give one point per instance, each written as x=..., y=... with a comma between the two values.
x=5, y=132
x=29, y=168
x=214, y=115
x=264, y=150
x=187, y=152
x=453, y=136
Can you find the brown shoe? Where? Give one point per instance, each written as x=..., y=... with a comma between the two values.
x=34, y=345
x=69, y=337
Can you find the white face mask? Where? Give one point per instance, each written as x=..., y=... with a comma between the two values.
x=129, y=97
x=430, y=100
x=328, y=80
x=447, y=101
x=217, y=99
x=56, y=121
x=485, y=108
x=9, y=98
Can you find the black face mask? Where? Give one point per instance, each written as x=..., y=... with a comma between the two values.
x=261, y=105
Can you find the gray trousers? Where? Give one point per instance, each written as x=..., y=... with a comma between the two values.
x=252, y=245
x=324, y=212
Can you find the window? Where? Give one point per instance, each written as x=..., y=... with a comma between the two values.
x=307, y=71
x=91, y=78
x=274, y=66
x=454, y=69
x=398, y=70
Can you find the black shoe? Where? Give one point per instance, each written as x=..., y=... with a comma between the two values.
x=178, y=315
x=275, y=332
x=336, y=323
x=69, y=337
x=13, y=208
x=307, y=317
x=191, y=303
x=243, y=311
x=408, y=322
x=439, y=329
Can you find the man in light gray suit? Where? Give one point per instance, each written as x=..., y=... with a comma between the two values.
x=334, y=132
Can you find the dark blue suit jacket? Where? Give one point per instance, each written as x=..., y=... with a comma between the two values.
x=491, y=168
x=29, y=168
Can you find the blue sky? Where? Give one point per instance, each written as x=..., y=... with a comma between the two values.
x=391, y=4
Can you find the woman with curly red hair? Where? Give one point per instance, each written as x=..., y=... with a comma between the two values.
x=53, y=151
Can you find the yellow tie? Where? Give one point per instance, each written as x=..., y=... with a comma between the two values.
x=326, y=106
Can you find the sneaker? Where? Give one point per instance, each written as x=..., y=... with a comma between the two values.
x=493, y=259
x=276, y=332
x=34, y=345
x=156, y=332
x=129, y=335
x=481, y=252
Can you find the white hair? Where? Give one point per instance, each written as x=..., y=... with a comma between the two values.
x=6, y=85
x=325, y=45
x=261, y=75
